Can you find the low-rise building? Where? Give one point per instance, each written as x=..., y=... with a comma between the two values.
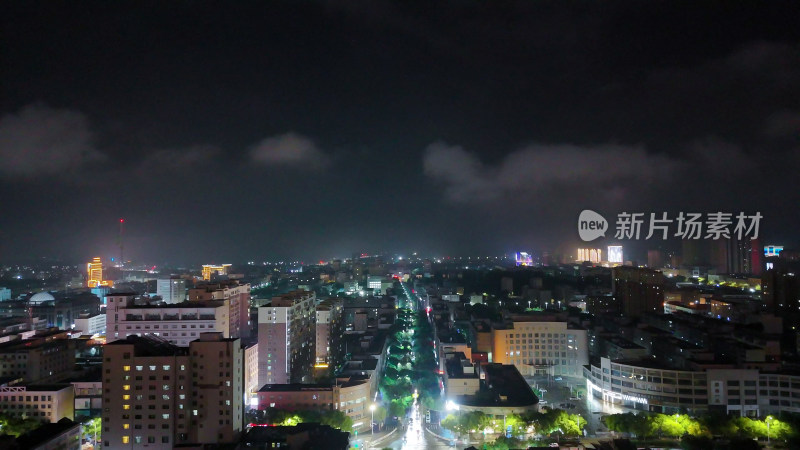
x=647, y=385
x=351, y=396
x=45, y=402
x=62, y=435
x=503, y=390
x=460, y=376
x=302, y=435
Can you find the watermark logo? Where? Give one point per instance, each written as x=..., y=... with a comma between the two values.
x=691, y=226
x=591, y=225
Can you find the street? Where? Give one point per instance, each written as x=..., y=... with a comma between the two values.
x=415, y=436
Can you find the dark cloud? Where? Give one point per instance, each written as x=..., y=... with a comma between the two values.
x=783, y=124
x=42, y=141
x=524, y=174
x=290, y=149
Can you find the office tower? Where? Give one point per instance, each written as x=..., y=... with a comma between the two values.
x=172, y=290
x=286, y=339
x=210, y=269
x=158, y=395
x=236, y=295
x=637, y=290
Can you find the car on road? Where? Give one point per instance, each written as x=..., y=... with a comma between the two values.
x=558, y=378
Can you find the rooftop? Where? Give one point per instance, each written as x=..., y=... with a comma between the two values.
x=299, y=387
x=47, y=432
x=149, y=345
x=504, y=387
x=622, y=342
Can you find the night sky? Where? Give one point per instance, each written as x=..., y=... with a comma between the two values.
x=233, y=131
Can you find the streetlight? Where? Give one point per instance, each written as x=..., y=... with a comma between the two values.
x=768, y=420
x=372, y=423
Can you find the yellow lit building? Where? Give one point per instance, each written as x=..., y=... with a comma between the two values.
x=210, y=269
x=94, y=272
x=593, y=255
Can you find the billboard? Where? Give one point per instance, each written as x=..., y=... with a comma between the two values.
x=524, y=259
x=615, y=254
x=772, y=250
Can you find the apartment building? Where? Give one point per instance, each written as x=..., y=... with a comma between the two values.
x=329, y=330
x=238, y=298
x=38, y=357
x=251, y=373
x=158, y=395
x=286, y=339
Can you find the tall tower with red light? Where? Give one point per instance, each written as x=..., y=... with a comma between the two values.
x=121, y=246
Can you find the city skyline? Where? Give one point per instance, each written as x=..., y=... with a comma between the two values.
x=318, y=130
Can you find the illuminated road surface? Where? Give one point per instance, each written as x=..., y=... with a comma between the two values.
x=415, y=436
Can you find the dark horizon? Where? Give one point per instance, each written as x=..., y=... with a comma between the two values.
x=318, y=130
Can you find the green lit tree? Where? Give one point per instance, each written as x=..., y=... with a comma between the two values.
x=92, y=429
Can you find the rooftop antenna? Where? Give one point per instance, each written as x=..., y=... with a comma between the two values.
x=121, y=230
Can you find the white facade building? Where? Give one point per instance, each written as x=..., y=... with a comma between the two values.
x=91, y=324
x=544, y=347
x=172, y=290
x=178, y=324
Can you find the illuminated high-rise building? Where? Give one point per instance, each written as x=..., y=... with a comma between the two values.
x=211, y=269
x=94, y=274
x=593, y=255
x=615, y=254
